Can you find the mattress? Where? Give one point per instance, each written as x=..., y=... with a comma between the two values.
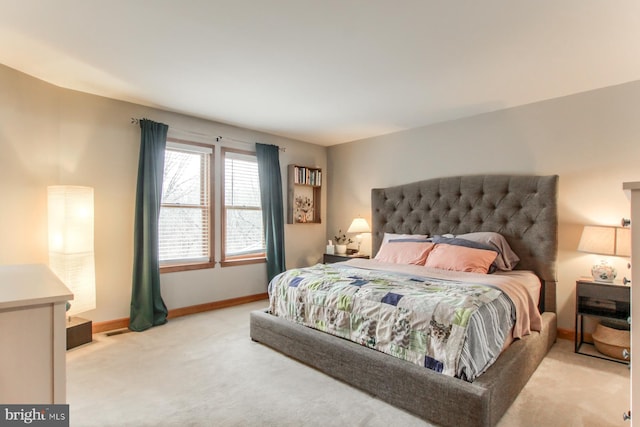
x=450, y=322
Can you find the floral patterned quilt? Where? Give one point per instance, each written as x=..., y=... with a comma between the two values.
x=448, y=326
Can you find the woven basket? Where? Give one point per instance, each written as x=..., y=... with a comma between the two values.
x=611, y=341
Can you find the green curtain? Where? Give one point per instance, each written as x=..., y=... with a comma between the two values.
x=268, y=157
x=147, y=307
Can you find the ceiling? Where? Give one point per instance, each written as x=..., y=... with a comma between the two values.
x=325, y=71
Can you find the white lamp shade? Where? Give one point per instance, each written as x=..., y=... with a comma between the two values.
x=598, y=240
x=623, y=241
x=71, y=254
x=359, y=225
x=605, y=240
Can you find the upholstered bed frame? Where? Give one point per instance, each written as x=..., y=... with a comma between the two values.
x=524, y=210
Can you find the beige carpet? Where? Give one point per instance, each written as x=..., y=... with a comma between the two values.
x=203, y=370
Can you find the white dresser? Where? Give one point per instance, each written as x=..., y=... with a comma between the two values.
x=32, y=335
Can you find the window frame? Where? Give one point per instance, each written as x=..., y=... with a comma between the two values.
x=236, y=259
x=198, y=265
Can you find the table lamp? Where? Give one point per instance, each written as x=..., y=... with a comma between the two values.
x=359, y=225
x=604, y=240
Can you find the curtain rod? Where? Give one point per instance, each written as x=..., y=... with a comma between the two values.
x=218, y=138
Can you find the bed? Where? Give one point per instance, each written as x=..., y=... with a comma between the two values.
x=521, y=208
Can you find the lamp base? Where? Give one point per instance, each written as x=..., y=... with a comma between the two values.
x=603, y=272
x=78, y=332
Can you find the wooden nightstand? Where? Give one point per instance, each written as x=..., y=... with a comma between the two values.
x=602, y=301
x=331, y=258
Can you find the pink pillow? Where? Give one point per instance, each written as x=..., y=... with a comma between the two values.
x=404, y=252
x=460, y=258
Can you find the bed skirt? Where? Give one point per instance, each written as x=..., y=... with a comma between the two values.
x=432, y=396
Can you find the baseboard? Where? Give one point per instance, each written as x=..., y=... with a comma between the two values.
x=565, y=334
x=568, y=334
x=110, y=325
x=193, y=309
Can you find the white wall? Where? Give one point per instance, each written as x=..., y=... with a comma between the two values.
x=50, y=135
x=591, y=140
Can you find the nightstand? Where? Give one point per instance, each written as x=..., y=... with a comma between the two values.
x=602, y=301
x=331, y=258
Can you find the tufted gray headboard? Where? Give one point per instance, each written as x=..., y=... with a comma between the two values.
x=523, y=208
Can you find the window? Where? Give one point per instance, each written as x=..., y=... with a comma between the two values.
x=185, y=210
x=242, y=230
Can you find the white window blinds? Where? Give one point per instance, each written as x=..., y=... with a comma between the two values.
x=185, y=213
x=243, y=229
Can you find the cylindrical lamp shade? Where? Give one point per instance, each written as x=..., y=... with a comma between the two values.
x=71, y=254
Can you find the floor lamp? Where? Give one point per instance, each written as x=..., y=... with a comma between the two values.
x=71, y=254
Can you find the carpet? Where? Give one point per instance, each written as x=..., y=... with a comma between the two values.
x=203, y=370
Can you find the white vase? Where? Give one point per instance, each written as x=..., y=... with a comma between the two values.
x=341, y=249
x=603, y=272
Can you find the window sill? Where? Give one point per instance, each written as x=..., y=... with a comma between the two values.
x=242, y=261
x=186, y=267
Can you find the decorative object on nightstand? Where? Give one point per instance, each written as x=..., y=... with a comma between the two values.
x=604, y=240
x=71, y=254
x=359, y=225
x=331, y=249
x=341, y=242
